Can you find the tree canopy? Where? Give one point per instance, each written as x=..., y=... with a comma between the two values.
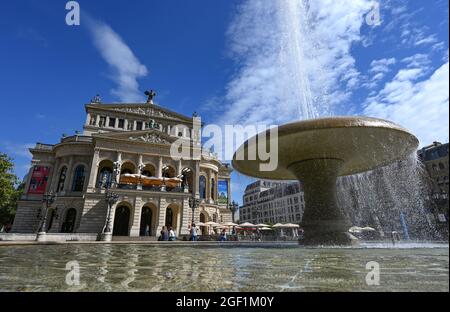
x=10, y=190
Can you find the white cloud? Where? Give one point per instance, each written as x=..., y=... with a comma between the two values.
x=417, y=60
x=382, y=65
x=294, y=60
x=427, y=40
x=422, y=107
x=126, y=67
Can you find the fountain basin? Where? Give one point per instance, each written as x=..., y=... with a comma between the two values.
x=318, y=151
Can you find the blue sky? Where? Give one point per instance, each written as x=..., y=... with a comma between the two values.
x=234, y=62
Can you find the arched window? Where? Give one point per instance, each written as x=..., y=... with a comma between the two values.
x=62, y=179
x=105, y=176
x=78, y=179
x=202, y=187
x=213, y=187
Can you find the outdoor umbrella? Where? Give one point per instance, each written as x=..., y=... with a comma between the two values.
x=265, y=229
x=261, y=225
x=247, y=224
x=229, y=224
x=278, y=225
x=292, y=225
x=200, y=224
x=357, y=229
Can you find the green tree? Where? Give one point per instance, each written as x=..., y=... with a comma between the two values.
x=10, y=190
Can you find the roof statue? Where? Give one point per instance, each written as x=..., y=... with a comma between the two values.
x=150, y=95
x=96, y=99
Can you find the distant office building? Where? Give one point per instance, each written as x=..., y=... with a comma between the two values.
x=272, y=202
x=435, y=159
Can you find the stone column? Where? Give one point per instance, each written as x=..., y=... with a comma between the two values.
x=208, y=186
x=179, y=220
x=186, y=217
x=125, y=124
x=116, y=123
x=196, y=188
x=88, y=119
x=179, y=167
x=161, y=217
x=107, y=121
x=94, y=170
x=97, y=121
x=136, y=218
x=323, y=221
x=159, y=169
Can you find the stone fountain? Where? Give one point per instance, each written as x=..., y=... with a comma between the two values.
x=316, y=152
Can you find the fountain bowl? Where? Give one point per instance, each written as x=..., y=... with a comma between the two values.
x=316, y=152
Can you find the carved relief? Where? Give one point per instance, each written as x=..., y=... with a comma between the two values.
x=150, y=111
x=150, y=138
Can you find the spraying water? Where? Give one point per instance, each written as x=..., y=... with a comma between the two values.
x=392, y=198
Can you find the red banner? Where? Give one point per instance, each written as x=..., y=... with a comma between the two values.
x=38, y=182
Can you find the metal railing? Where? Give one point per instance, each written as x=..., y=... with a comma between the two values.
x=43, y=146
x=150, y=188
x=77, y=138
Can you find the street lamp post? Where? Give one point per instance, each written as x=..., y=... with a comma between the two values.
x=111, y=198
x=194, y=203
x=47, y=200
x=233, y=207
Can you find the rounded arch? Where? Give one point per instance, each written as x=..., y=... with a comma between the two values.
x=168, y=171
x=149, y=170
x=128, y=166
x=68, y=225
x=148, y=220
x=122, y=219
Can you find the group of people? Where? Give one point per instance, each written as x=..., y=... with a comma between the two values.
x=194, y=234
x=167, y=234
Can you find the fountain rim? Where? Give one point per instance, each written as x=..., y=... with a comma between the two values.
x=326, y=123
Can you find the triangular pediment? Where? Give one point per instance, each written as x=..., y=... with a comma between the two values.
x=147, y=110
x=150, y=136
